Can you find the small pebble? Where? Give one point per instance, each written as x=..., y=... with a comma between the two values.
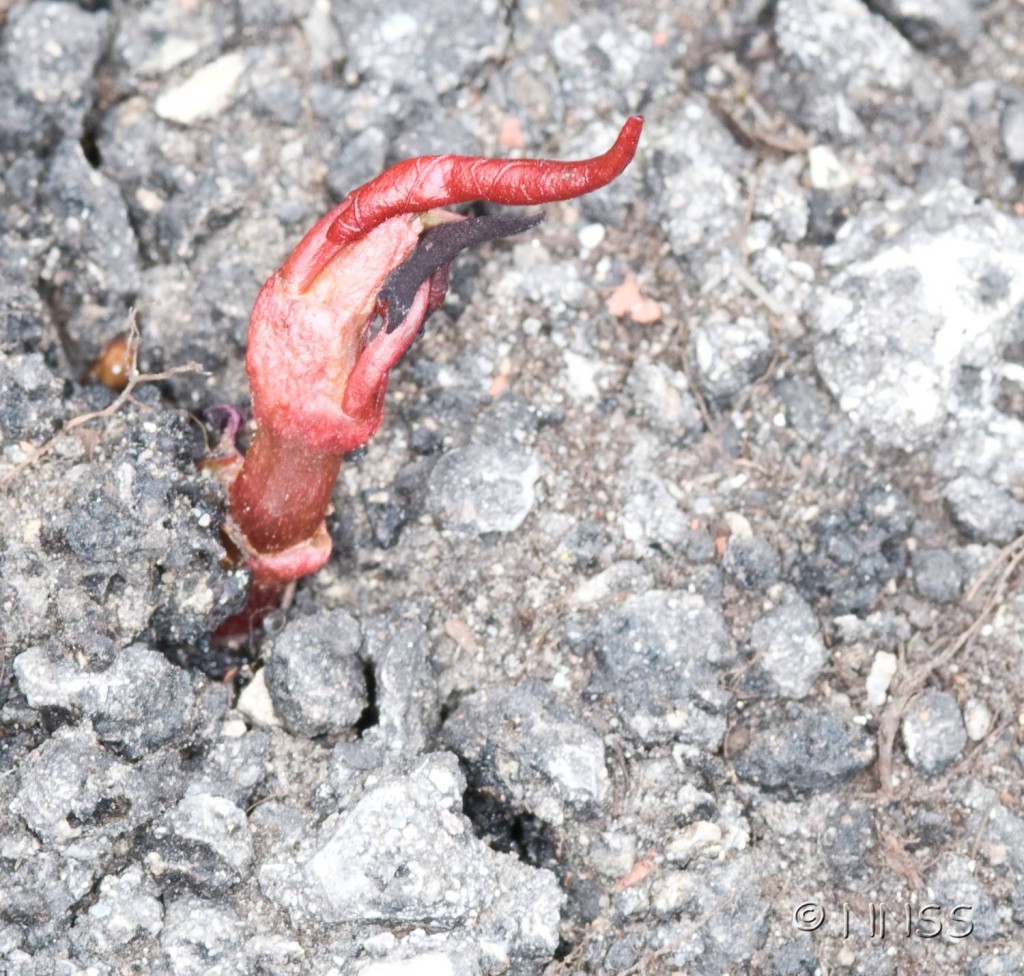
x=933, y=732
x=204, y=95
x=1013, y=133
x=826, y=172
x=937, y=575
x=977, y=719
x=591, y=235
x=883, y=668
x=255, y=704
x=697, y=838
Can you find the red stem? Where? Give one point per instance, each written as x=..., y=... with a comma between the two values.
x=279, y=498
x=426, y=182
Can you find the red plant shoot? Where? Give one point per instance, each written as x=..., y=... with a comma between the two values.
x=438, y=181
x=317, y=369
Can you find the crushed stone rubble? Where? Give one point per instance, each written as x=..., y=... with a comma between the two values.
x=650, y=640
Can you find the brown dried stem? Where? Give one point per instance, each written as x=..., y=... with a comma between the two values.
x=912, y=681
x=135, y=379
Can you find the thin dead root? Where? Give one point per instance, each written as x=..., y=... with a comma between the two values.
x=135, y=379
x=912, y=681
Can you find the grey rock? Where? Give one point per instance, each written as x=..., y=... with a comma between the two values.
x=849, y=835
x=270, y=951
x=1005, y=830
x=352, y=764
x=127, y=911
x=929, y=24
x=659, y=657
x=274, y=94
x=753, y=563
x=182, y=191
x=858, y=550
x=807, y=408
x=529, y=751
x=440, y=954
x=730, y=354
x=782, y=200
x=155, y=40
x=933, y=731
x=423, y=130
x=983, y=510
x=612, y=854
x=847, y=69
x=356, y=161
x=938, y=575
x=109, y=545
x=620, y=578
x=408, y=697
x=41, y=888
x=24, y=324
x=545, y=280
x=999, y=963
x=197, y=931
x=798, y=957
x=261, y=16
x=830, y=208
x=623, y=954
x=954, y=882
x=731, y=937
x=386, y=515
x=93, y=276
x=49, y=55
x=203, y=842
x=154, y=162
x=788, y=646
x=804, y=748
x=932, y=828
x=232, y=264
x=583, y=544
x=985, y=443
x=509, y=420
x=31, y=396
x=315, y=676
x=650, y=516
x=599, y=54
x=420, y=46
x=663, y=398
x=76, y=796
x=131, y=542
x=232, y=767
x=483, y=488
x=1012, y=131
x=955, y=300
x=278, y=826
x=1003, y=846
x=405, y=855
x=695, y=171
x=139, y=703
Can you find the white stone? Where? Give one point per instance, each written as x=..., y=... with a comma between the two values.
x=427, y=964
x=977, y=719
x=581, y=376
x=255, y=704
x=826, y=172
x=883, y=668
x=692, y=840
x=591, y=235
x=203, y=95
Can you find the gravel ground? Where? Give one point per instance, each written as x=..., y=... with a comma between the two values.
x=673, y=623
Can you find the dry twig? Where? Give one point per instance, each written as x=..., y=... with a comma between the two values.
x=912, y=681
x=135, y=379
